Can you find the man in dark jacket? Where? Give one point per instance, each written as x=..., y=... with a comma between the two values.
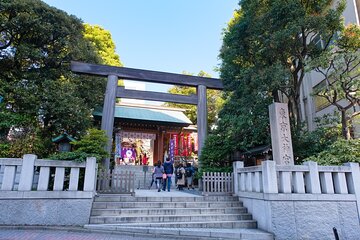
x=169, y=170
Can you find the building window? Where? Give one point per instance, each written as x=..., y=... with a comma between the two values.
x=320, y=102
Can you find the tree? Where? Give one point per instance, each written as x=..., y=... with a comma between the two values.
x=103, y=43
x=41, y=95
x=340, y=69
x=214, y=101
x=265, y=46
x=277, y=37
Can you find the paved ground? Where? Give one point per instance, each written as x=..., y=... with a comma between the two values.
x=56, y=234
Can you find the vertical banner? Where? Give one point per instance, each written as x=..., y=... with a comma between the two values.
x=189, y=145
x=117, y=156
x=185, y=145
x=182, y=144
x=196, y=146
x=176, y=145
x=171, y=149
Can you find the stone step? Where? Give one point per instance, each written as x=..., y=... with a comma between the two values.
x=146, y=219
x=166, y=211
x=188, y=233
x=196, y=224
x=122, y=198
x=161, y=204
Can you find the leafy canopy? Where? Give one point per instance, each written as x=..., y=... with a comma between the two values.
x=264, y=50
x=42, y=97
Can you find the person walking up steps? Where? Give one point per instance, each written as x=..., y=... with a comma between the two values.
x=169, y=170
x=158, y=172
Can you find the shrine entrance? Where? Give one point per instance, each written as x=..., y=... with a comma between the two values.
x=114, y=91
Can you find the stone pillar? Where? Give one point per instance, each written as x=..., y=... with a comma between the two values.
x=201, y=117
x=107, y=121
x=90, y=174
x=312, y=178
x=353, y=182
x=237, y=165
x=281, y=134
x=27, y=172
x=269, y=177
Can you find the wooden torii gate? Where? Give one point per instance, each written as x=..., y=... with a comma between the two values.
x=114, y=91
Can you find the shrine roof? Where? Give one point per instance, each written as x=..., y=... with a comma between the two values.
x=149, y=113
x=63, y=137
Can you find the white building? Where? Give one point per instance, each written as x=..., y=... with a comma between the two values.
x=313, y=107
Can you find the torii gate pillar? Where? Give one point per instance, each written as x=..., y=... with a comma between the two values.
x=201, y=117
x=107, y=121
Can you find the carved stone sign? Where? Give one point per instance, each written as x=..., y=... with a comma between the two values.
x=281, y=134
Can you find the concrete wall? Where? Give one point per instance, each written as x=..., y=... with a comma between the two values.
x=55, y=212
x=305, y=219
x=301, y=201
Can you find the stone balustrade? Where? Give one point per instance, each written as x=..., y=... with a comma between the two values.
x=46, y=192
x=298, y=179
x=20, y=175
x=325, y=196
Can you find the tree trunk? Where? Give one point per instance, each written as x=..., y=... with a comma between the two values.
x=344, y=126
x=276, y=96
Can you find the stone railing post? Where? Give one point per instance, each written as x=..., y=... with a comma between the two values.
x=312, y=179
x=27, y=172
x=269, y=177
x=236, y=166
x=90, y=174
x=354, y=182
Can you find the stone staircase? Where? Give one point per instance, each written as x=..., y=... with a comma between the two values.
x=198, y=217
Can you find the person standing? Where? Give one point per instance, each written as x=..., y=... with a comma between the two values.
x=158, y=174
x=189, y=174
x=169, y=170
x=144, y=160
x=180, y=174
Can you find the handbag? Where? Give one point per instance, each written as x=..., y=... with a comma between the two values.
x=164, y=176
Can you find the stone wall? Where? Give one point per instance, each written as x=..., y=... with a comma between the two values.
x=302, y=201
x=55, y=212
x=305, y=219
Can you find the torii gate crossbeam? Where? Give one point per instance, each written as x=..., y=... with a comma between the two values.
x=113, y=91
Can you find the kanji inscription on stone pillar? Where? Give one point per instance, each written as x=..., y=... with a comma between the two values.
x=281, y=134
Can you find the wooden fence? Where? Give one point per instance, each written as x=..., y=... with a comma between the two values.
x=216, y=183
x=116, y=182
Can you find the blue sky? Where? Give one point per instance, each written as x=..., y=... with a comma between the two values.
x=161, y=35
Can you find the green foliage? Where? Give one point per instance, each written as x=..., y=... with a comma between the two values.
x=272, y=39
x=37, y=44
x=42, y=97
x=339, y=152
x=308, y=143
x=27, y=142
x=215, y=157
x=4, y=149
x=264, y=50
x=103, y=43
x=91, y=145
x=214, y=101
